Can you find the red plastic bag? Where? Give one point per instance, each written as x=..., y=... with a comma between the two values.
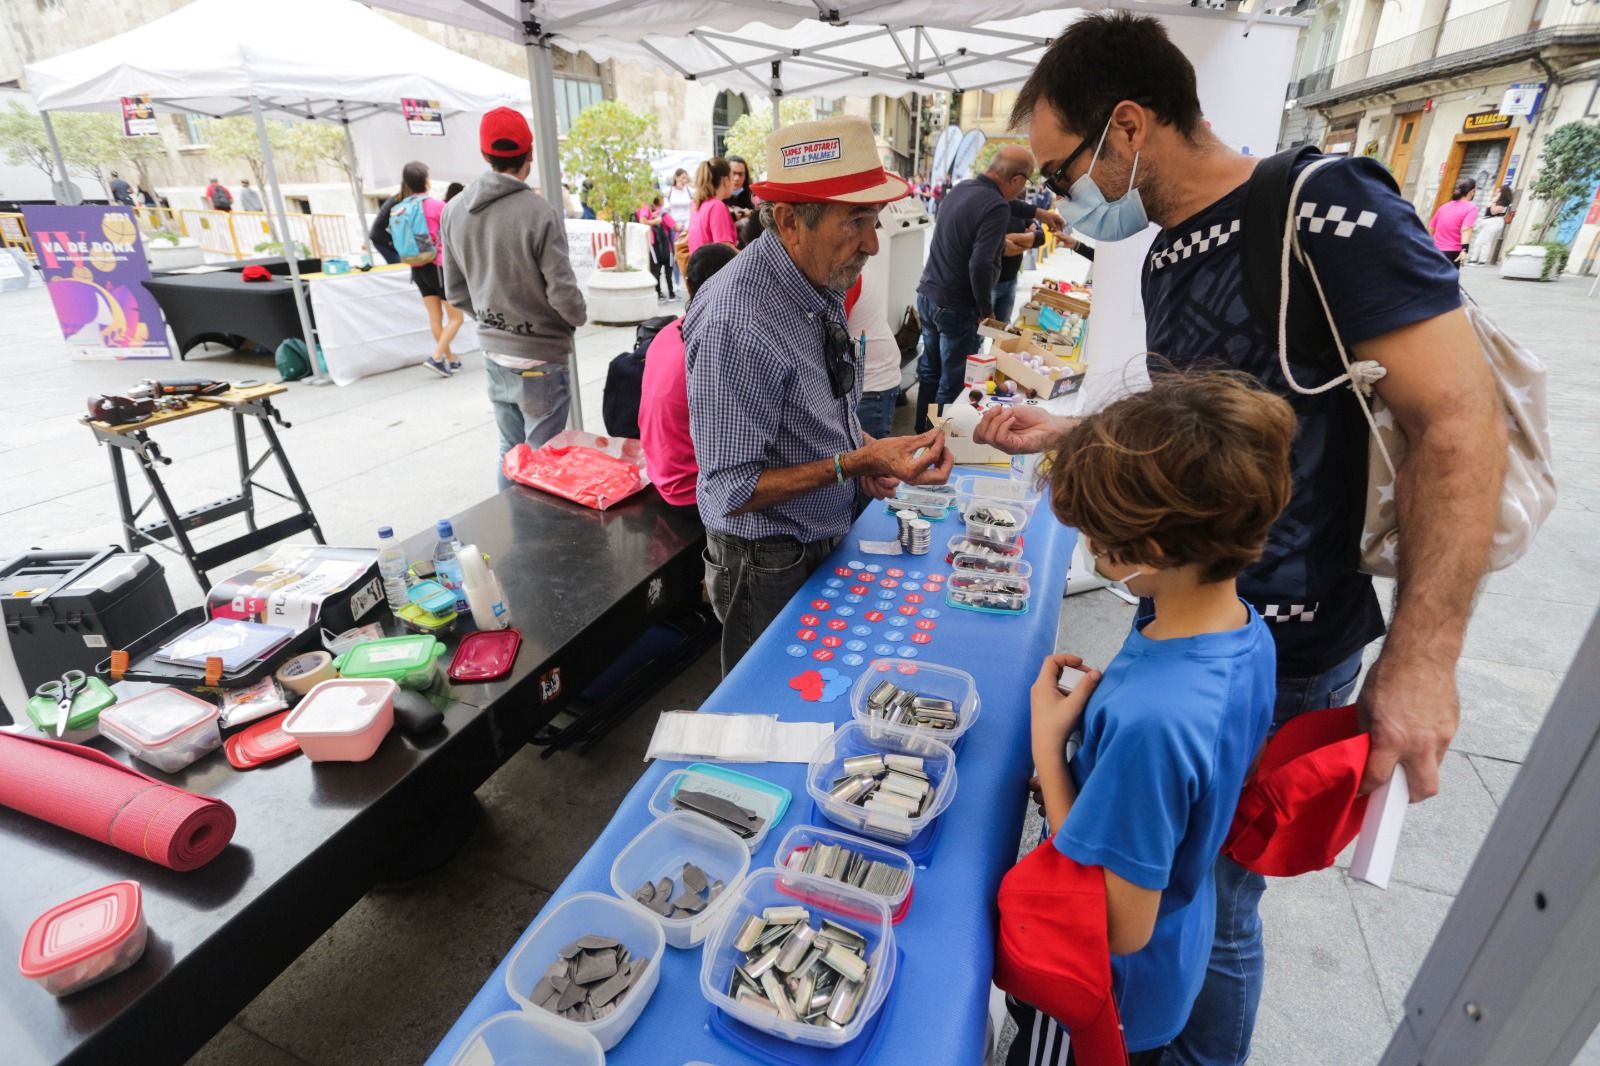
x=597, y=472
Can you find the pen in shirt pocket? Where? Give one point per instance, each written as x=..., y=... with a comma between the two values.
x=863, y=344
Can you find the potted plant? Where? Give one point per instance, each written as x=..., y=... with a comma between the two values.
x=167, y=249
x=610, y=148
x=1570, y=166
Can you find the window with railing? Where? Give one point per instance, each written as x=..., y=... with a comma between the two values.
x=1471, y=30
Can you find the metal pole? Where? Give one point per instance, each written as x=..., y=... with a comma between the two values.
x=356, y=191
x=547, y=153
x=287, y=244
x=916, y=135
x=55, y=150
x=777, y=94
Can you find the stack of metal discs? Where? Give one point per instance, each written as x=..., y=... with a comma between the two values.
x=921, y=536
x=906, y=518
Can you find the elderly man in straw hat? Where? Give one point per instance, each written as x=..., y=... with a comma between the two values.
x=774, y=381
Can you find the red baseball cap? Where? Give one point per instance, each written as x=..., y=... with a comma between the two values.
x=255, y=272
x=1301, y=808
x=1052, y=951
x=504, y=133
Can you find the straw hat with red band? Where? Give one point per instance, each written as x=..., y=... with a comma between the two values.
x=830, y=161
x=1301, y=807
x=1052, y=951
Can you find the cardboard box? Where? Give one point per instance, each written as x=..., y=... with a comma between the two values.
x=1063, y=302
x=993, y=327
x=980, y=368
x=965, y=449
x=1009, y=366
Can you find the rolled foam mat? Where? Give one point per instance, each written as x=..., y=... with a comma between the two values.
x=92, y=794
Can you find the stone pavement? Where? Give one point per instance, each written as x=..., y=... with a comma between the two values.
x=387, y=980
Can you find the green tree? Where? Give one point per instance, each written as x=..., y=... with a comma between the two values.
x=234, y=140
x=986, y=155
x=313, y=144
x=611, y=146
x=747, y=137
x=91, y=143
x=23, y=140
x=1568, y=171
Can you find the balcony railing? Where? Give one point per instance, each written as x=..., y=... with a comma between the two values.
x=1442, y=39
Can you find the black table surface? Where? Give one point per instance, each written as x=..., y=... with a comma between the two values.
x=275, y=264
x=225, y=307
x=311, y=837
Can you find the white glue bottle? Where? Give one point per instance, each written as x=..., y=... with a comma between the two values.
x=484, y=596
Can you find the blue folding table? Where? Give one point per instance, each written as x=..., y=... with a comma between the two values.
x=938, y=1006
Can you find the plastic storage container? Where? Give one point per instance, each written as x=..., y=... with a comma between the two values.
x=166, y=728
x=1008, y=490
x=856, y=738
x=662, y=849
x=987, y=593
x=802, y=838
x=769, y=887
x=343, y=720
x=581, y=915
x=82, y=718
x=409, y=661
x=928, y=503
x=517, y=1038
x=967, y=544
x=85, y=940
x=925, y=679
x=991, y=565
x=768, y=800
x=987, y=527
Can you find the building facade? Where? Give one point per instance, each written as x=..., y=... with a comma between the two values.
x=1443, y=90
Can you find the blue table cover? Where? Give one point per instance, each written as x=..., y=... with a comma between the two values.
x=938, y=1006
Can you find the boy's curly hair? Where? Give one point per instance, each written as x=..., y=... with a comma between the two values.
x=1194, y=470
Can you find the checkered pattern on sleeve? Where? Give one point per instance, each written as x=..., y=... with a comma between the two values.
x=759, y=396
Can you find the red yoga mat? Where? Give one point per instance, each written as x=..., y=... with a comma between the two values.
x=93, y=795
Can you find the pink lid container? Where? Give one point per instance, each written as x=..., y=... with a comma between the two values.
x=343, y=719
x=77, y=943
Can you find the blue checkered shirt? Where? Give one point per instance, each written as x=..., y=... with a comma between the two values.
x=759, y=397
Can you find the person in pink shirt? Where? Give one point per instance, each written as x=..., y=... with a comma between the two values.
x=711, y=221
x=1452, y=223
x=663, y=235
x=444, y=320
x=664, y=393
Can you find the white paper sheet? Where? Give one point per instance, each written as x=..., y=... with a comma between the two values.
x=693, y=735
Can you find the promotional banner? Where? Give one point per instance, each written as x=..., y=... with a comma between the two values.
x=139, y=117
x=423, y=117
x=93, y=264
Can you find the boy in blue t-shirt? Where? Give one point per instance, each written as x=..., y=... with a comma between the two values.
x=1174, y=491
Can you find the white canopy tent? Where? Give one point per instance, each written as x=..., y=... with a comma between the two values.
x=221, y=58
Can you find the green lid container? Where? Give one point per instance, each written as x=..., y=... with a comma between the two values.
x=94, y=697
x=407, y=661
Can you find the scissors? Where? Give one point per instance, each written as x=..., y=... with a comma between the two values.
x=63, y=692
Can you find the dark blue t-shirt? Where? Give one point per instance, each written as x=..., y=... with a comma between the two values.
x=1380, y=270
x=1167, y=739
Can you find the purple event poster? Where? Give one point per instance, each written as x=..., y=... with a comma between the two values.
x=93, y=265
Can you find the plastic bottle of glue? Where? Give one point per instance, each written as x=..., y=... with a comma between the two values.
x=484, y=596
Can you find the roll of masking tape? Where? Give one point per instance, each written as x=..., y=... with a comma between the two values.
x=300, y=674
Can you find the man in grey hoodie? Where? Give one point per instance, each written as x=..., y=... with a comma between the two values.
x=505, y=264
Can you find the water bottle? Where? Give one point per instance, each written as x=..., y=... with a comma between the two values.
x=447, y=563
x=392, y=564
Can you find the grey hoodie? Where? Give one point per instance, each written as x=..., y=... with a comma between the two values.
x=506, y=265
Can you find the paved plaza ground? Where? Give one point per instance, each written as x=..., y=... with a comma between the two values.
x=389, y=978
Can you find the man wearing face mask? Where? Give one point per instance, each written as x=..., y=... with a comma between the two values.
x=774, y=382
x=1114, y=117
x=958, y=283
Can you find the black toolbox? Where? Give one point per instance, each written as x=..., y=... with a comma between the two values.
x=64, y=610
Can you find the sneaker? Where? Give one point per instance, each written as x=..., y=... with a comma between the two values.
x=437, y=367
x=455, y=364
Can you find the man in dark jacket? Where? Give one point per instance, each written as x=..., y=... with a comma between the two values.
x=958, y=282
x=379, y=234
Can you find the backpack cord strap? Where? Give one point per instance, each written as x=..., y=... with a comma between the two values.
x=1361, y=374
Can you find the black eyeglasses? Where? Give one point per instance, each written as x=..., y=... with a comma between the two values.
x=836, y=351
x=1056, y=180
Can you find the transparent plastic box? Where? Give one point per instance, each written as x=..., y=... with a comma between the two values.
x=165, y=727
x=1007, y=490
x=769, y=800
x=518, y=1038
x=928, y=503
x=582, y=915
x=85, y=940
x=987, y=593
x=856, y=738
x=968, y=544
x=925, y=679
x=970, y=564
x=662, y=849
x=1001, y=534
x=770, y=887
x=802, y=838
x=344, y=719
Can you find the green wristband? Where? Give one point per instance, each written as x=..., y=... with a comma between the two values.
x=838, y=468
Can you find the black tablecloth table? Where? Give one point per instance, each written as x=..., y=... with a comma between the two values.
x=312, y=838
x=275, y=264
x=224, y=307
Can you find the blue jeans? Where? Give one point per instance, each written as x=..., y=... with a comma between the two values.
x=529, y=405
x=1005, y=299
x=949, y=335
x=875, y=412
x=1224, y=1016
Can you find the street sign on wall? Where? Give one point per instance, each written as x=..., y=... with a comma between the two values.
x=1485, y=121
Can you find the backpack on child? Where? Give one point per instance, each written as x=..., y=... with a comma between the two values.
x=619, y=404
x=1276, y=266
x=408, y=229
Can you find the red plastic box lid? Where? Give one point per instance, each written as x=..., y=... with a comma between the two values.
x=78, y=929
x=263, y=742
x=485, y=655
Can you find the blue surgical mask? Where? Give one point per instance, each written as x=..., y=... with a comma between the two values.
x=1087, y=210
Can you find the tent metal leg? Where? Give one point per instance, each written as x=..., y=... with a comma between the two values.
x=287, y=243
x=55, y=150
x=547, y=155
